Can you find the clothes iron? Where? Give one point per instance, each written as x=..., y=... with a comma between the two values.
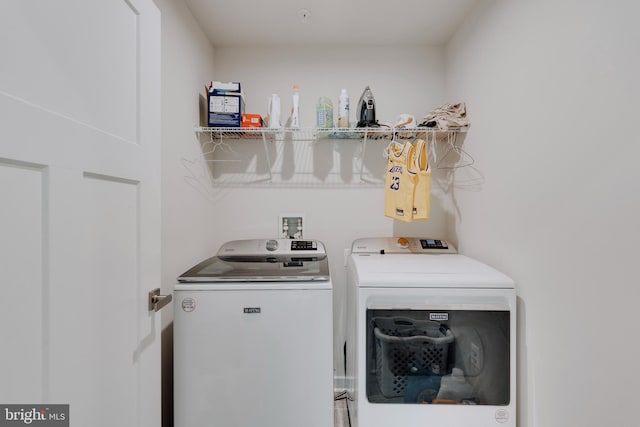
x=367, y=110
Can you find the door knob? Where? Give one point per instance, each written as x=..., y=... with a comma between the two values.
x=157, y=301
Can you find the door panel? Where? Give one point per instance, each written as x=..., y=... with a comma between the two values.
x=21, y=262
x=76, y=58
x=79, y=167
x=103, y=291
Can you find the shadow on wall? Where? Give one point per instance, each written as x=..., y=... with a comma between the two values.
x=303, y=159
x=284, y=159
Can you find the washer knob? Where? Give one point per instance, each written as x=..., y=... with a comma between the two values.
x=403, y=243
x=272, y=245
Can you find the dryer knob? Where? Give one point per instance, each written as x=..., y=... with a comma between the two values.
x=272, y=245
x=403, y=243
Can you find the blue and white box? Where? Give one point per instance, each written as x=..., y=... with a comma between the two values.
x=226, y=105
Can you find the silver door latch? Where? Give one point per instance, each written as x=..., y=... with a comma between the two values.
x=157, y=301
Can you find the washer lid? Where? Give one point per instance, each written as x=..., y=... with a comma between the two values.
x=276, y=260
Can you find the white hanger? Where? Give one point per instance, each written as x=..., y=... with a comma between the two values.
x=453, y=148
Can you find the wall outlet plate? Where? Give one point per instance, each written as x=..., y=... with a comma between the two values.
x=290, y=226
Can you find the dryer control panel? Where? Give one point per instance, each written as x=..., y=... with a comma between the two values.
x=402, y=245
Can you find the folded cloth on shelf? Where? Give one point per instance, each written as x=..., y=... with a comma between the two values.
x=447, y=116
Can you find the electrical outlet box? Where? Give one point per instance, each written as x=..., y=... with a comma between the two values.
x=290, y=226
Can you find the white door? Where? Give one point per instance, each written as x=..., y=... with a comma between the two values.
x=79, y=208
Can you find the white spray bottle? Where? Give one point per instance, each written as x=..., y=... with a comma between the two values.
x=295, y=108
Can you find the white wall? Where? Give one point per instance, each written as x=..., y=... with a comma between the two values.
x=392, y=73
x=552, y=90
x=187, y=64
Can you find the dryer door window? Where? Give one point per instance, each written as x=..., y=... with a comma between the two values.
x=438, y=356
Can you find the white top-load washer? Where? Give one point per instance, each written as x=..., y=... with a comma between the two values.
x=431, y=337
x=253, y=337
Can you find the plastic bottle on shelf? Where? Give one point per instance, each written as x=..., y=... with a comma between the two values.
x=295, y=108
x=343, y=110
x=324, y=113
x=273, y=112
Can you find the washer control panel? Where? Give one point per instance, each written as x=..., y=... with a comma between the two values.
x=304, y=245
x=402, y=245
x=270, y=247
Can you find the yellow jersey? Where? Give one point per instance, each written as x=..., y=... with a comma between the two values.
x=400, y=182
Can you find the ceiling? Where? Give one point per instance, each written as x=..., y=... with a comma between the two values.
x=329, y=23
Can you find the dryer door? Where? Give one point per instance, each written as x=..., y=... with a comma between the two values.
x=440, y=346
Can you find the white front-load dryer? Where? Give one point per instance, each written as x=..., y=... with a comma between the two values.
x=431, y=337
x=253, y=337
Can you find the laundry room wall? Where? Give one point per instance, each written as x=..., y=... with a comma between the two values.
x=187, y=225
x=187, y=64
x=552, y=93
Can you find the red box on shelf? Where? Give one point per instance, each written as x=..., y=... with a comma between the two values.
x=251, y=121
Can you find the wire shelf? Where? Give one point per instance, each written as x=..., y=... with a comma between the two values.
x=288, y=152
x=317, y=134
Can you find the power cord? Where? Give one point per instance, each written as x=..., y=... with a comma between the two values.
x=340, y=396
